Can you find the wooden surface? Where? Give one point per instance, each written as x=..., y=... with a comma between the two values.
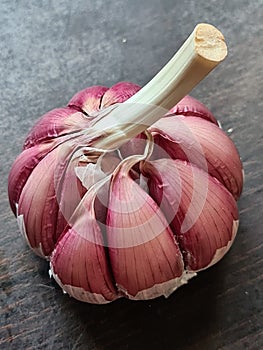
x=51, y=49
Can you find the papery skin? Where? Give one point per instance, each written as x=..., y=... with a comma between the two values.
x=85, y=237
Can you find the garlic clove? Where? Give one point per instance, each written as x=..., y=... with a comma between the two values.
x=38, y=203
x=145, y=258
x=201, y=211
x=79, y=262
x=80, y=268
x=25, y=164
x=203, y=144
x=88, y=100
x=37, y=207
x=56, y=123
x=189, y=106
x=23, y=167
x=119, y=93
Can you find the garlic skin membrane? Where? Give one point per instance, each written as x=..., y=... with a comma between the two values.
x=116, y=223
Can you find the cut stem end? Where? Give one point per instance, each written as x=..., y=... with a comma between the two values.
x=210, y=43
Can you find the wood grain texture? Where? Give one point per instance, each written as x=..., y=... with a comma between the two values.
x=51, y=49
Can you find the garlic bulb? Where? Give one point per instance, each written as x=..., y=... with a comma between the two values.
x=130, y=192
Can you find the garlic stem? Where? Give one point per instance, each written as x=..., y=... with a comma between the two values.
x=204, y=49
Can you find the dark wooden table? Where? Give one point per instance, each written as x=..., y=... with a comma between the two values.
x=51, y=49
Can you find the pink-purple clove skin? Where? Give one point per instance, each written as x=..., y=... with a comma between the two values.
x=203, y=144
x=22, y=168
x=143, y=253
x=55, y=124
x=201, y=211
x=79, y=262
x=119, y=93
x=92, y=99
x=38, y=206
x=190, y=106
x=147, y=229
x=39, y=209
x=81, y=267
x=88, y=100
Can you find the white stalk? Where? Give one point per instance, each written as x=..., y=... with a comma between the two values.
x=204, y=49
